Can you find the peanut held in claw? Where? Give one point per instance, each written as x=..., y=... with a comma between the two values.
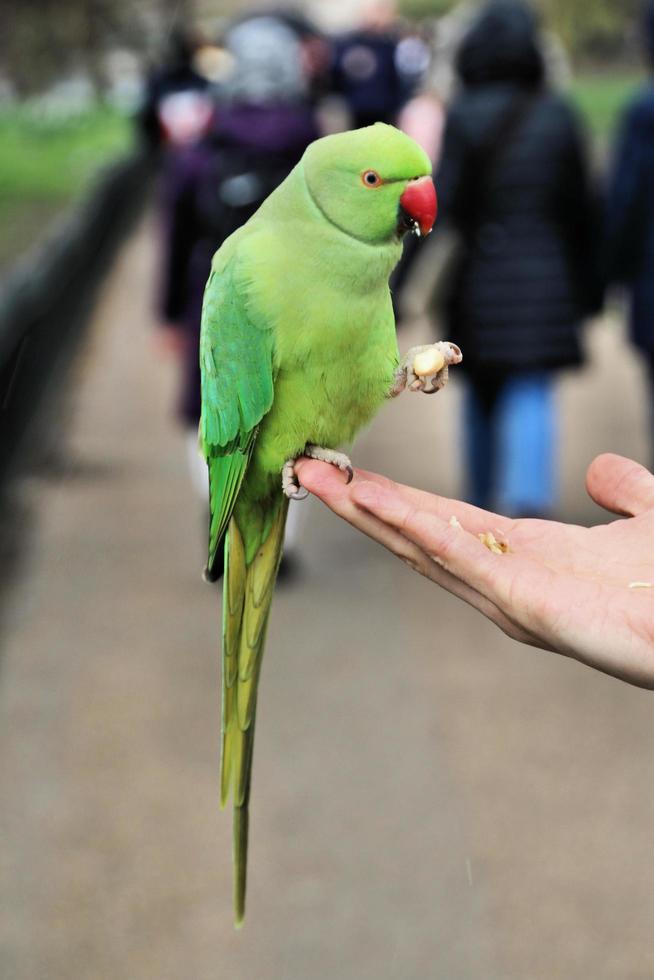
x=428, y=362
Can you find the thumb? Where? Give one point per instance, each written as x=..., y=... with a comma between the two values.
x=620, y=485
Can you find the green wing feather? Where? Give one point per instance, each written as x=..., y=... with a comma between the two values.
x=237, y=391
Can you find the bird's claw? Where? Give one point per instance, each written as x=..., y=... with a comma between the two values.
x=331, y=456
x=421, y=385
x=431, y=382
x=290, y=483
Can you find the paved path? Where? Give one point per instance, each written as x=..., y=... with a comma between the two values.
x=430, y=799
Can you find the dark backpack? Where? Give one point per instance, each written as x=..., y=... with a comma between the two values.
x=235, y=184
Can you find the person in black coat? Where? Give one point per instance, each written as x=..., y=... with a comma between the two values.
x=514, y=184
x=629, y=219
x=370, y=71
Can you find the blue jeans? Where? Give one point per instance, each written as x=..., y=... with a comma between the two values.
x=510, y=443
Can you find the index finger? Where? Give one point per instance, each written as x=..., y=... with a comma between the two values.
x=329, y=483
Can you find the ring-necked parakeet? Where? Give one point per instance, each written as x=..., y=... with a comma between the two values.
x=298, y=351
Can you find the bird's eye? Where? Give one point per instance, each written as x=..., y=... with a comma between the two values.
x=371, y=178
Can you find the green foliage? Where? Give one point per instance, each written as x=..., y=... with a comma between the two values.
x=423, y=9
x=50, y=156
x=47, y=161
x=51, y=38
x=591, y=26
x=602, y=98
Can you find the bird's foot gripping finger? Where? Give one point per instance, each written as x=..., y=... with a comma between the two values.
x=331, y=456
x=425, y=368
x=291, y=484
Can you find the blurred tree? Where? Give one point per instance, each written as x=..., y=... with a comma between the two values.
x=586, y=27
x=592, y=27
x=424, y=9
x=44, y=40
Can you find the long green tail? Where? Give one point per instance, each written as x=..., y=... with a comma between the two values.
x=247, y=596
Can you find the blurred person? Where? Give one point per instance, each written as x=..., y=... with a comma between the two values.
x=375, y=68
x=513, y=183
x=177, y=107
x=629, y=220
x=315, y=51
x=263, y=124
x=423, y=119
x=582, y=592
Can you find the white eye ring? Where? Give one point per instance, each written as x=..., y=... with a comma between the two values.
x=370, y=178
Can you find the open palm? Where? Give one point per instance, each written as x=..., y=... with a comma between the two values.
x=582, y=592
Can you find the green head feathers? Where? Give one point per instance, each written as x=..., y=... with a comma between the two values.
x=357, y=178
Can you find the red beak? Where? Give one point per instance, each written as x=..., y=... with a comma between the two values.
x=419, y=202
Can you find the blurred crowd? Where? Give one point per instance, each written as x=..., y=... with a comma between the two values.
x=530, y=238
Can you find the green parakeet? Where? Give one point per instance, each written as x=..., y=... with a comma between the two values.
x=297, y=352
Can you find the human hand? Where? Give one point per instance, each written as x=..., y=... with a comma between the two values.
x=559, y=587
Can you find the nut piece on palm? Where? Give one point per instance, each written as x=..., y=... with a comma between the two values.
x=425, y=368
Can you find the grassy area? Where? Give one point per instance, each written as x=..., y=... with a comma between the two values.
x=601, y=99
x=46, y=162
